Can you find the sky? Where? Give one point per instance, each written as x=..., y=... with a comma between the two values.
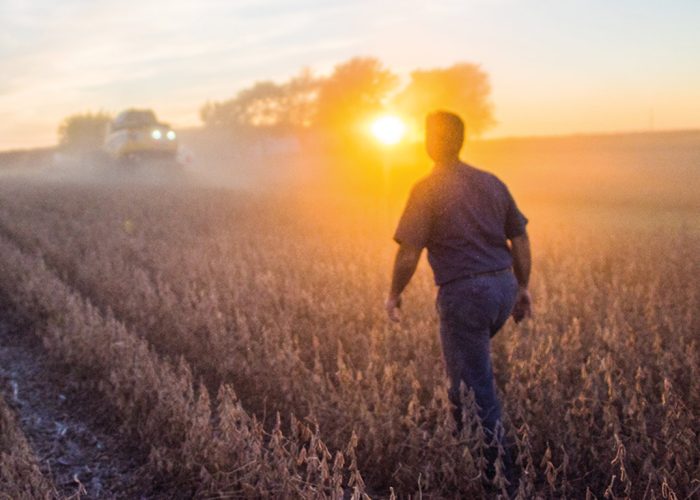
x=556, y=66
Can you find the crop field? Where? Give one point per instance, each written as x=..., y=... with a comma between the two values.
x=235, y=343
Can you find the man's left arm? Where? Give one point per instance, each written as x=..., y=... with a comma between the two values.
x=405, y=264
x=412, y=235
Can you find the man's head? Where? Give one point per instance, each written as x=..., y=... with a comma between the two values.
x=444, y=136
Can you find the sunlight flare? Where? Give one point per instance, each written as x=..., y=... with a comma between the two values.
x=388, y=129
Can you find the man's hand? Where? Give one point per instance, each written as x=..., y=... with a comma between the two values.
x=522, y=262
x=392, y=306
x=405, y=265
x=523, y=305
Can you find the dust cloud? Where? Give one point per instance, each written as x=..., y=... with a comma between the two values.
x=205, y=160
x=657, y=171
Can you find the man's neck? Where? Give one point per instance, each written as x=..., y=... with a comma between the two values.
x=452, y=162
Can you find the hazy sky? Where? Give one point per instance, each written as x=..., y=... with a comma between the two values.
x=556, y=66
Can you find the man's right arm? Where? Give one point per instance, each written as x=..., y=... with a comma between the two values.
x=522, y=260
x=522, y=263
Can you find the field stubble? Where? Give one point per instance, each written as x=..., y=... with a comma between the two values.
x=273, y=303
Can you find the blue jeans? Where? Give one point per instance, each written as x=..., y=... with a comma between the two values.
x=472, y=310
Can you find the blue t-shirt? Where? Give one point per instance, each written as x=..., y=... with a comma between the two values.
x=464, y=216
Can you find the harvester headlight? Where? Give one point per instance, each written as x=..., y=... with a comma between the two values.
x=170, y=135
x=157, y=134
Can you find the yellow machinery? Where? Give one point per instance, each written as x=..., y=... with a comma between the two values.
x=136, y=134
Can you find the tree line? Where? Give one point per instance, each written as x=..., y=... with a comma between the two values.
x=334, y=106
x=355, y=91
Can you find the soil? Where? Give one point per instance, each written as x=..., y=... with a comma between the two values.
x=73, y=434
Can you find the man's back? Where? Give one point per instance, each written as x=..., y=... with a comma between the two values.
x=464, y=216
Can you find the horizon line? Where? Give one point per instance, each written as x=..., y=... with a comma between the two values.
x=570, y=135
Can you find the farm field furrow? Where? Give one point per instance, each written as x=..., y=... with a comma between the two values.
x=151, y=310
x=278, y=298
x=193, y=450
x=20, y=473
x=73, y=433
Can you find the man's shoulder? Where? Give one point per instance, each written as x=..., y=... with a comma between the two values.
x=487, y=179
x=424, y=185
x=483, y=174
x=438, y=179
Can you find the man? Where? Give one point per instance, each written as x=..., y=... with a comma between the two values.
x=465, y=217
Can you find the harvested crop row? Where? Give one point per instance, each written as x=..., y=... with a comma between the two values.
x=159, y=401
x=20, y=476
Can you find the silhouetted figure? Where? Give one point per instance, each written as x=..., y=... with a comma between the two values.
x=465, y=218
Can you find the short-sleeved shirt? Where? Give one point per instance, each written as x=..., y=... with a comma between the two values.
x=464, y=217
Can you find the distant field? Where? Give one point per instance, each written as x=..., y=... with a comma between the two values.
x=239, y=339
x=656, y=170
x=652, y=169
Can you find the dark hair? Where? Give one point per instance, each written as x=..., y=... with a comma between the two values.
x=446, y=130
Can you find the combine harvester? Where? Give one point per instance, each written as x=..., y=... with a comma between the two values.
x=137, y=140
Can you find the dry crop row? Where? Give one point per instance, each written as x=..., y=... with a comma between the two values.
x=279, y=298
x=20, y=476
x=224, y=452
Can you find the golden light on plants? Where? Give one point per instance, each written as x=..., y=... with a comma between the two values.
x=388, y=129
x=78, y=276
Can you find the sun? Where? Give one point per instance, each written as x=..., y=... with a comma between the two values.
x=388, y=129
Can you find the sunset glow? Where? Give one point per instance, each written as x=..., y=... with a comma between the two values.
x=388, y=129
x=548, y=75
x=262, y=249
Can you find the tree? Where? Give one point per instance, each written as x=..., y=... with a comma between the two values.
x=337, y=105
x=267, y=105
x=463, y=88
x=356, y=90
x=84, y=132
x=253, y=106
x=299, y=100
